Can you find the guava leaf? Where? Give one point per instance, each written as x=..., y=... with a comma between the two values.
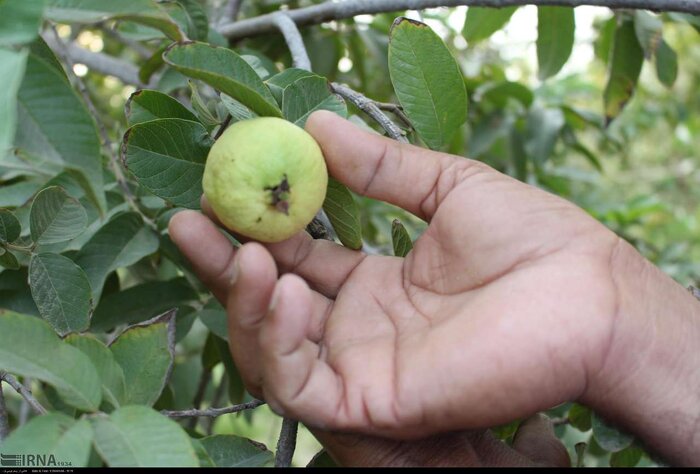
x=123, y=241
x=167, y=156
x=307, y=95
x=10, y=227
x=625, y=66
x=427, y=81
x=146, y=105
x=30, y=347
x=56, y=217
x=400, y=239
x=482, y=22
x=234, y=451
x=226, y=71
x=145, y=12
x=67, y=439
x=20, y=21
x=344, y=214
x=61, y=291
x=555, y=38
x=138, y=436
x=146, y=353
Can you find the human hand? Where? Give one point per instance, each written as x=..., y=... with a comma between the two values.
x=506, y=305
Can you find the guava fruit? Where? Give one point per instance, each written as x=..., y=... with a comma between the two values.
x=265, y=178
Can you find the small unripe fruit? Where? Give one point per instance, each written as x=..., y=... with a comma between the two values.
x=265, y=178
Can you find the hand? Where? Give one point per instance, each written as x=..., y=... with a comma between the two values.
x=506, y=306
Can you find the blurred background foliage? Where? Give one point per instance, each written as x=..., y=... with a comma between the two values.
x=637, y=174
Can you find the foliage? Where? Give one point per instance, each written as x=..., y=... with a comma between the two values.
x=102, y=316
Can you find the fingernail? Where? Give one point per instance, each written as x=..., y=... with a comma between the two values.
x=235, y=271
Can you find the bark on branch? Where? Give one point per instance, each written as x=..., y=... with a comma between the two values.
x=23, y=391
x=339, y=10
x=212, y=412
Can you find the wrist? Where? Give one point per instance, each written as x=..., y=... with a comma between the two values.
x=649, y=378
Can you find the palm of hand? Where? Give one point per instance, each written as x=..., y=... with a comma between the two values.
x=472, y=299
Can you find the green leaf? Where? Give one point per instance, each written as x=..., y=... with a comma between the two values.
x=482, y=22
x=344, y=214
x=498, y=93
x=400, y=239
x=216, y=321
x=628, y=457
x=144, y=12
x=201, y=108
x=55, y=125
x=608, y=437
x=12, y=65
x=555, y=38
x=202, y=455
x=146, y=105
x=543, y=127
x=111, y=373
x=226, y=71
x=237, y=110
x=625, y=66
x=145, y=352
x=68, y=440
x=121, y=242
x=30, y=347
x=138, y=436
x=281, y=81
x=580, y=417
x=234, y=451
x=141, y=302
x=10, y=227
x=427, y=81
x=322, y=459
x=61, y=291
x=20, y=21
x=196, y=18
x=151, y=65
x=308, y=95
x=666, y=64
x=9, y=261
x=56, y=217
x=167, y=157
x=649, y=30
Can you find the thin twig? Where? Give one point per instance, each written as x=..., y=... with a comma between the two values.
x=199, y=396
x=222, y=128
x=233, y=8
x=212, y=412
x=287, y=442
x=107, y=144
x=292, y=36
x=339, y=10
x=397, y=110
x=137, y=47
x=4, y=417
x=370, y=108
x=23, y=391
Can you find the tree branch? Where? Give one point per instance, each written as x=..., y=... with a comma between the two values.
x=23, y=391
x=372, y=109
x=295, y=43
x=212, y=412
x=287, y=442
x=339, y=10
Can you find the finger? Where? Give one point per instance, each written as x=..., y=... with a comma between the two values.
x=208, y=250
x=254, y=278
x=253, y=282
x=309, y=258
x=381, y=168
x=535, y=439
x=296, y=383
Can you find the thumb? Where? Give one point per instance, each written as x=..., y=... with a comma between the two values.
x=535, y=439
x=380, y=168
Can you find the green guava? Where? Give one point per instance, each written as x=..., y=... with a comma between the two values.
x=265, y=178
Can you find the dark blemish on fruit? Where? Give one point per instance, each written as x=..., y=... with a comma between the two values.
x=280, y=195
